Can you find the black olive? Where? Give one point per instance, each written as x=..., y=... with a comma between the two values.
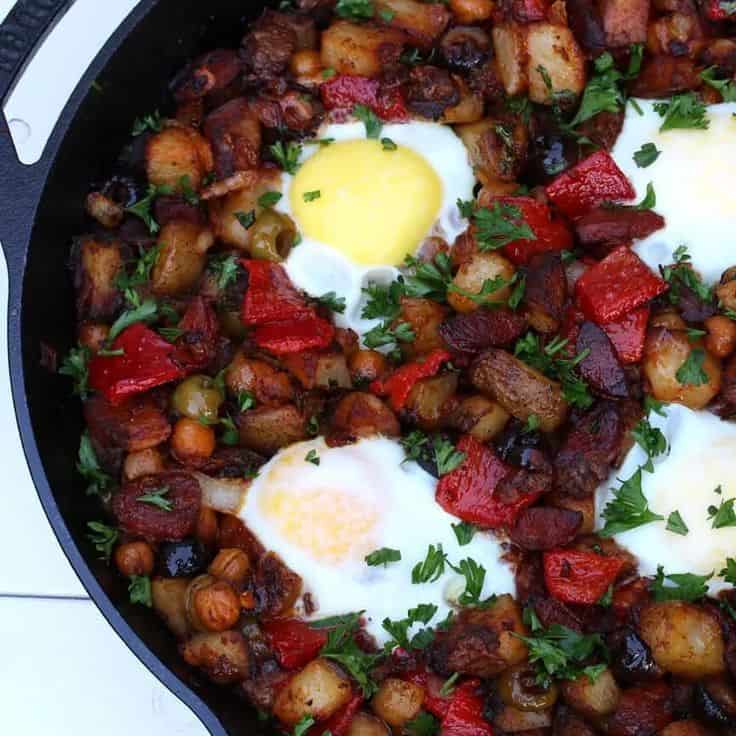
x=182, y=559
x=519, y=446
x=708, y=709
x=464, y=48
x=631, y=658
x=122, y=189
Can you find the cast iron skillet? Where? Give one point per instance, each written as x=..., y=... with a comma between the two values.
x=41, y=210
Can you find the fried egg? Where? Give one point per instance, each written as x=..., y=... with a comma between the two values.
x=700, y=460
x=694, y=178
x=362, y=205
x=324, y=519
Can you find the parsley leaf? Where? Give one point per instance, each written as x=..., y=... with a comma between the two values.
x=650, y=199
x=355, y=9
x=602, y=93
x=332, y=301
x=156, y=498
x=286, y=155
x=425, y=724
x=142, y=208
x=89, y=467
x=683, y=111
x=448, y=687
x=681, y=275
x=383, y=301
x=304, y=724
x=399, y=630
x=140, y=590
x=269, y=199
x=346, y=619
x=226, y=270
x=432, y=568
x=312, y=457
x=651, y=440
x=723, y=515
x=388, y=144
x=428, y=279
x=464, y=532
x=446, y=457
x=687, y=587
x=311, y=196
x=246, y=401
x=372, y=124
x=475, y=576
x=652, y=404
x=646, y=155
x=727, y=87
x=691, y=372
x=145, y=311
x=629, y=509
x=382, y=557
x=246, y=219
x=728, y=573
x=152, y=122
x=75, y=366
x=499, y=226
x=676, y=524
x=142, y=271
x=383, y=335
x=103, y=537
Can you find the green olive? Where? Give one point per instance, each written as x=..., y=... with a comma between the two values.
x=518, y=688
x=196, y=397
x=271, y=236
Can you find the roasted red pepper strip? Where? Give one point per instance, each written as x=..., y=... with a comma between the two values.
x=551, y=235
x=468, y=492
x=435, y=703
x=338, y=723
x=294, y=336
x=594, y=180
x=718, y=10
x=465, y=714
x=617, y=285
x=293, y=642
x=271, y=297
x=342, y=93
x=628, y=334
x=197, y=346
x=573, y=576
x=146, y=362
x=399, y=384
x=527, y=11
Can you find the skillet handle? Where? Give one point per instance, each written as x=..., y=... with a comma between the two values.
x=25, y=26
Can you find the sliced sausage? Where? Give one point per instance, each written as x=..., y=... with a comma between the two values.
x=601, y=367
x=544, y=527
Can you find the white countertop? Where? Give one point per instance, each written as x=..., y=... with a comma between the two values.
x=63, y=670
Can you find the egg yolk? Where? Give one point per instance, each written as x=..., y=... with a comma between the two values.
x=374, y=206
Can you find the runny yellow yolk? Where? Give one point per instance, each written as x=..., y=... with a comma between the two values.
x=374, y=206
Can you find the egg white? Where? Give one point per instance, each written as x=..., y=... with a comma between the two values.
x=368, y=498
x=317, y=268
x=694, y=179
x=701, y=457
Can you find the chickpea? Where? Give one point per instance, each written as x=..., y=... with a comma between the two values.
x=721, y=338
x=305, y=63
x=134, y=558
x=726, y=294
x=196, y=397
x=207, y=528
x=93, y=335
x=232, y=566
x=472, y=276
x=471, y=11
x=192, y=441
x=367, y=366
x=271, y=236
x=518, y=688
x=212, y=605
x=143, y=462
x=669, y=319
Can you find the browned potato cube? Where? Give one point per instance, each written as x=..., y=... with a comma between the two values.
x=318, y=691
x=505, y=617
x=397, y=701
x=509, y=45
x=422, y=22
x=222, y=655
x=685, y=728
x=98, y=265
x=513, y=720
x=586, y=506
x=176, y=154
x=472, y=277
x=360, y=50
x=592, y=699
x=554, y=49
x=479, y=417
x=268, y=429
x=169, y=601
x=364, y=724
x=182, y=257
x=425, y=317
x=468, y=110
x=428, y=398
x=624, y=21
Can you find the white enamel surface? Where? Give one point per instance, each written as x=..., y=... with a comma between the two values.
x=318, y=269
x=368, y=499
x=702, y=456
x=695, y=182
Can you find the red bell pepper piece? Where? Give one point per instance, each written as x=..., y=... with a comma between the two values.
x=146, y=362
x=718, y=10
x=399, y=384
x=294, y=336
x=574, y=576
x=628, y=335
x=465, y=714
x=196, y=347
x=468, y=492
x=551, y=234
x=593, y=180
x=617, y=285
x=344, y=92
x=271, y=297
x=435, y=703
x=338, y=723
x=391, y=105
x=293, y=642
x=527, y=11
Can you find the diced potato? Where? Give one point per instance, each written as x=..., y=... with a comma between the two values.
x=425, y=317
x=509, y=45
x=177, y=156
x=360, y=50
x=222, y=655
x=682, y=29
x=364, y=724
x=428, y=398
x=684, y=728
x=99, y=264
x=422, y=22
x=397, y=701
x=362, y=414
x=468, y=110
x=521, y=390
x=318, y=691
x=554, y=49
x=182, y=258
x=472, y=277
x=267, y=384
x=492, y=154
x=624, y=21
x=505, y=617
x=103, y=209
x=592, y=699
x=268, y=429
x=169, y=601
x=480, y=417
x=471, y=11
x=685, y=639
x=513, y=720
x=320, y=370
x=665, y=352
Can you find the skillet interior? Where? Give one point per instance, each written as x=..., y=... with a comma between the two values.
x=132, y=83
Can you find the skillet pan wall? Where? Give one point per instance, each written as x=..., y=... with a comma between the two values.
x=41, y=210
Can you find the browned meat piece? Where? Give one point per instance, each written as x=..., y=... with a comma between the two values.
x=232, y=462
x=529, y=578
x=268, y=46
x=362, y=415
x=465, y=48
x=609, y=227
x=721, y=52
x=624, y=21
x=300, y=112
x=430, y=91
x=603, y=129
x=550, y=611
x=724, y=405
x=234, y=534
x=470, y=649
x=234, y=132
x=601, y=368
x=585, y=458
x=168, y=208
x=586, y=24
x=642, y=711
x=544, y=527
x=98, y=264
x=276, y=586
x=486, y=81
x=183, y=495
x=546, y=292
x=664, y=76
x=468, y=334
x=196, y=348
x=568, y=723
x=211, y=72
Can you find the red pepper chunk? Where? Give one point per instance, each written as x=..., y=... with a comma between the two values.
x=579, y=577
x=433, y=702
x=551, y=235
x=717, y=10
x=338, y=724
x=146, y=362
x=293, y=642
x=271, y=297
x=294, y=336
x=628, y=335
x=593, y=180
x=617, y=285
x=399, y=384
x=468, y=492
x=343, y=92
x=465, y=714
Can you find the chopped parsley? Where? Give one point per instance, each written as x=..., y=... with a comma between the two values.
x=152, y=122
x=652, y=404
x=602, y=93
x=156, y=497
x=651, y=440
x=286, y=155
x=75, y=366
x=225, y=269
x=382, y=556
x=683, y=111
x=142, y=311
x=724, y=514
x=388, y=144
x=140, y=590
x=332, y=301
x=384, y=335
x=500, y=225
x=303, y=726
x=646, y=155
x=728, y=573
x=691, y=372
x=142, y=270
x=629, y=508
x=448, y=687
x=475, y=576
x=246, y=401
x=269, y=199
x=428, y=279
x=676, y=524
x=440, y=451
x=686, y=586
x=312, y=457
x=425, y=724
x=103, y=537
x=432, y=568
x=373, y=125
x=355, y=9
x=311, y=196
x=464, y=532
x=386, y=15
x=727, y=87
x=142, y=208
x=246, y=219
x=681, y=275
x=89, y=468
